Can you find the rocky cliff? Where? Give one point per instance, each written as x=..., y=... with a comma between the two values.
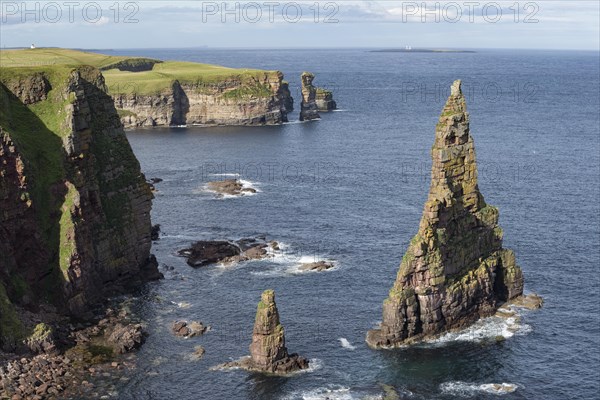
x=308, y=107
x=455, y=270
x=262, y=99
x=74, y=205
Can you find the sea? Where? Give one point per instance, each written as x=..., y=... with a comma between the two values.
x=349, y=188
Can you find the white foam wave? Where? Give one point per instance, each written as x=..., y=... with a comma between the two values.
x=333, y=392
x=346, y=344
x=313, y=365
x=289, y=265
x=464, y=389
x=486, y=329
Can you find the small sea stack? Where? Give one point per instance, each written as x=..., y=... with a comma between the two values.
x=455, y=270
x=267, y=351
x=308, y=107
x=325, y=101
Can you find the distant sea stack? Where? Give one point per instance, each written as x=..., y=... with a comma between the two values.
x=324, y=100
x=267, y=350
x=308, y=107
x=455, y=270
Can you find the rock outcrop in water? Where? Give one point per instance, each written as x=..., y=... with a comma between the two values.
x=235, y=101
x=75, y=220
x=267, y=350
x=230, y=187
x=206, y=252
x=325, y=101
x=308, y=107
x=455, y=270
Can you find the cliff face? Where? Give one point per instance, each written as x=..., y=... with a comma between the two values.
x=308, y=107
x=455, y=269
x=262, y=100
x=75, y=207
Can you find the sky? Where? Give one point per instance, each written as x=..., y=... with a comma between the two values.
x=543, y=24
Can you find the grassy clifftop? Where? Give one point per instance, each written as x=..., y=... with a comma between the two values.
x=127, y=75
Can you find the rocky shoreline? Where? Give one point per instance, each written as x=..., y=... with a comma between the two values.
x=68, y=359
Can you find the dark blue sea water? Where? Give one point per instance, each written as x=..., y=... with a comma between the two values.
x=350, y=188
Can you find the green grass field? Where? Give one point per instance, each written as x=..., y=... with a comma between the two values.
x=159, y=78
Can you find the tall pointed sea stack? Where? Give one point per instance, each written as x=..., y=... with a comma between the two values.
x=455, y=269
x=267, y=351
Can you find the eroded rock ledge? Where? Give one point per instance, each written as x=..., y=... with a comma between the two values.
x=455, y=270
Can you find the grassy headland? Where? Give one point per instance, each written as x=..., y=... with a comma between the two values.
x=127, y=75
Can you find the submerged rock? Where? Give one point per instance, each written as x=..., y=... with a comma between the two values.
x=267, y=350
x=455, y=270
x=230, y=187
x=316, y=266
x=198, y=352
x=308, y=107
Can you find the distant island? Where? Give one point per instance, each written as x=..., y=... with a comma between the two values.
x=410, y=50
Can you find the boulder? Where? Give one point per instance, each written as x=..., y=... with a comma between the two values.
x=124, y=338
x=185, y=329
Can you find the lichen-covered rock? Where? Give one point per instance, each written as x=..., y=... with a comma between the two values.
x=324, y=100
x=308, y=107
x=455, y=270
x=235, y=101
x=41, y=339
